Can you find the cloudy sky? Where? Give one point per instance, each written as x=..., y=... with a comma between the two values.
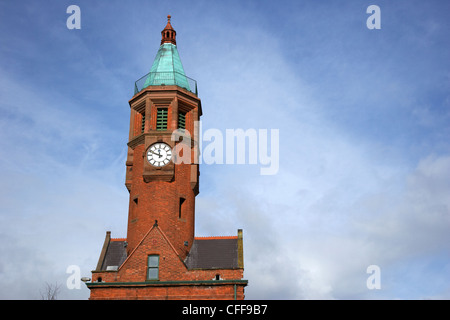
x=363, y=118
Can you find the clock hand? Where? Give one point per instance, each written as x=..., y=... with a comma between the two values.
x=158, y=154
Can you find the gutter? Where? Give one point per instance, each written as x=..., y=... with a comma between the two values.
x=169, y=283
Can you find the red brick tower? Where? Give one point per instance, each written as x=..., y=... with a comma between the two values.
x=160, y=190
x=161, y=258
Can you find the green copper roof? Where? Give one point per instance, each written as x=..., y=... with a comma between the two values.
x=167, y=68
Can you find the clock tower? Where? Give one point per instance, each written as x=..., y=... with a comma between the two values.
x=162, y=178
x=163, y=112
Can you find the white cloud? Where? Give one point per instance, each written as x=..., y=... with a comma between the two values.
x=313, y=231
x=339, y=203
x=58, y=197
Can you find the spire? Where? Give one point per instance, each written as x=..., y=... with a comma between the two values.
x=167, y=68
x=168, y=34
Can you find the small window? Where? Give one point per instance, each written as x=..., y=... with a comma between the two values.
x=161, y=119
x=182, y=120
x=153, y=267
x=180, y=208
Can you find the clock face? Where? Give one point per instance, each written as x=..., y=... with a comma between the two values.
x=159, y=154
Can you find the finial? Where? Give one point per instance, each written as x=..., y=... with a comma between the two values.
x=168, y=34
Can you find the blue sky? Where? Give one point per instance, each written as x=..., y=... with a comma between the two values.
x=363, y=118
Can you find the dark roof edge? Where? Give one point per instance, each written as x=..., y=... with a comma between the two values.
x=103, y=252
x=240, y=248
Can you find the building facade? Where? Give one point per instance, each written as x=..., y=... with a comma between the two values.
x=161, y=258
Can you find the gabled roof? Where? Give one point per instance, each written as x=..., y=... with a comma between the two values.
x=205, y=253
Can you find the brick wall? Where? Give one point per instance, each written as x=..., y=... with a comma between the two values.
x=129, y=282
x=159, y=200
x=181, y=292
x=155, y=193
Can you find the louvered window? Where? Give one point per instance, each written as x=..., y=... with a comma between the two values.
x=143, y=123
x=161, y=119
x=182, y=120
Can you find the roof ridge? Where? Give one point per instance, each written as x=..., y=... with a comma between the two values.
x=215, y=237
x=168, y=241
x=135, y=248
x=155, y=226
x=118, y=239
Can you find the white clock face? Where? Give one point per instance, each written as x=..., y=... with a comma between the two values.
x=159, y=154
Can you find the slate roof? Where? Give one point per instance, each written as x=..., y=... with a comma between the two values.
x=213, y=253
x=205, y=253
x=115, y=254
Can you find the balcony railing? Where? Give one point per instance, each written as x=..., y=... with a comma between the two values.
x=165, y=79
